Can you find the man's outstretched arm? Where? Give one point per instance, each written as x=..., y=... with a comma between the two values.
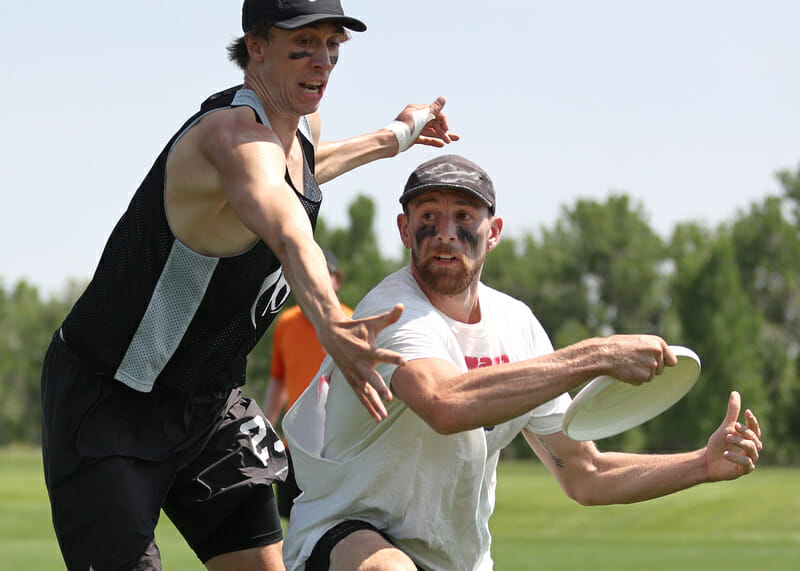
x=591, y=477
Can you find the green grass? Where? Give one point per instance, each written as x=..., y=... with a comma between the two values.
x=751, y=523
x=27, y=540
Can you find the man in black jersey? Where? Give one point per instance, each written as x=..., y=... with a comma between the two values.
x=140, y=387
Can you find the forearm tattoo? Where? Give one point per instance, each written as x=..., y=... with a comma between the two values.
x=558, y=461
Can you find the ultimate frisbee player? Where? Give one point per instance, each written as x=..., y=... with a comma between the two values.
x=140, y=386
x=416, y=490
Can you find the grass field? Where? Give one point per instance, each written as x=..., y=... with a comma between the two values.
x=751, y=523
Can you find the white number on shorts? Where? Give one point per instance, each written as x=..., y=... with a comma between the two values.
x=257, y=431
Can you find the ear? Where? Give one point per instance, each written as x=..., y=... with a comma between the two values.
x=255, y=47
x=494, y=235
x=402, y=227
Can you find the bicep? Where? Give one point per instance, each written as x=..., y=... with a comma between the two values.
x=251, y=168
x=421, y=385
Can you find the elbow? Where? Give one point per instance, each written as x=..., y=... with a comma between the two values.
x=581, y=492
x=582, y=487
x=446, y=425
x=583, y=497
x=443, y=417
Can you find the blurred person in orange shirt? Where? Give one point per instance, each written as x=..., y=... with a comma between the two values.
x=296, y=357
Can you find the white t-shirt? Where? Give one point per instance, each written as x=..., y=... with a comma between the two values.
x=432, y=494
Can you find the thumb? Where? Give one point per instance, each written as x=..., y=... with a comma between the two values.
x=734, y=408
x=437, y=105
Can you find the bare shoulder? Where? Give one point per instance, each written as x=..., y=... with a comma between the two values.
x=195, y=200
x=222, y=130
x=193, y=161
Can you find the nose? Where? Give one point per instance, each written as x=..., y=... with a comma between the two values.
x=448, y=229
x=321, y=58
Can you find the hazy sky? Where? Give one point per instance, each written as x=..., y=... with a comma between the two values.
x=689, y=106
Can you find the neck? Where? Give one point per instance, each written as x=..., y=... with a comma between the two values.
x=463, y=306
x=283, y=124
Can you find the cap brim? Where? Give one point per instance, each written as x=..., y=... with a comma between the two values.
x=416, y=191
x=307, y=19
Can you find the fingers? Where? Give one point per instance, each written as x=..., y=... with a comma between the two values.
x=665, y=357
x=752, y=422
x=378, y=323
x=652, y=364
x=746, y=462
x=734, y=408
x=371, y=401
x=439, y=122
x=746, y=452
x=387, y=356
x=358, y=365
x=747, y=434
x=373, y=392
x=670, y=359
x=750, y=446
x=435, y=135
x=745, y=438
x=735, y=447
x=370, y=389
x=639, y=359
x=377, y=390
x=437, y=131
x=392, y=315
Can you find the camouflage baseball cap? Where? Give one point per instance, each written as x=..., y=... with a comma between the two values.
x=450, y=172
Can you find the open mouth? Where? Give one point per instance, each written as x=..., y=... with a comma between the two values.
x=445, y=258
x=312, y=87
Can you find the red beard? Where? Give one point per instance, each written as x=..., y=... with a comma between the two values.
x=445, y=280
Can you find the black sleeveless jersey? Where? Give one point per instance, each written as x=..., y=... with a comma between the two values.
x=159, y=315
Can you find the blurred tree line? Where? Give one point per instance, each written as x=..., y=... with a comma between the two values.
x=731, y=293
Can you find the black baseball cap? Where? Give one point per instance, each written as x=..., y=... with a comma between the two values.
x=291, y=14
x=450, y=172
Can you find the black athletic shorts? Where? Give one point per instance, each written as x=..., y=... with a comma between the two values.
x=288, y=490
x=320, y=558
x=114, y=457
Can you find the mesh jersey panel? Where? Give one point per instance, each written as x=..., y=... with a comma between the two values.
x=236, y=298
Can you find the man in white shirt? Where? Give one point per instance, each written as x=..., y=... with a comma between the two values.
x=415, y=491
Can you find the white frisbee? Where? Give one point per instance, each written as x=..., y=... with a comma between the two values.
x=606, y=406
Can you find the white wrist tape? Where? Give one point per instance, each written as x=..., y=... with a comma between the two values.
x=404, y=135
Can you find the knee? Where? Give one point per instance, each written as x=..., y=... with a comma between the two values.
x=399, y=565
x=390, y=563
x=387, y=559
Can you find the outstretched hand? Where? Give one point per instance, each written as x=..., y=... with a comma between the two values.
x=355, y=352
x=734, y=448
x=436, y=132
